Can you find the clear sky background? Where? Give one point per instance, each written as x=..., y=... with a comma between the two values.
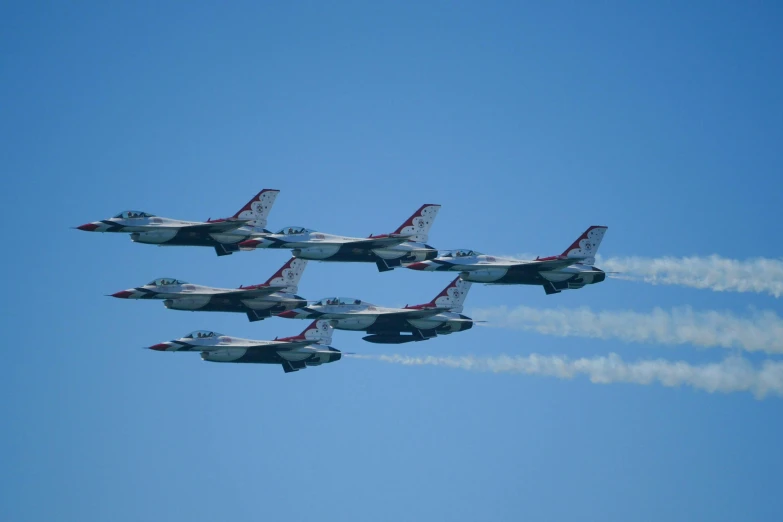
x=526, y=121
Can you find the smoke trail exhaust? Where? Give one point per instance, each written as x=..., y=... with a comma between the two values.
x=759, y=275
x=760, y=331
x=733, y=374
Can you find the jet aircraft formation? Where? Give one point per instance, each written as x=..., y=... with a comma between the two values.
x=405, y=247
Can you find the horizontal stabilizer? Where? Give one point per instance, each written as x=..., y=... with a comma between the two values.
x=555, y=288
x=226, y=249
x=293, y=366
x=258, y=315
x=384, y=265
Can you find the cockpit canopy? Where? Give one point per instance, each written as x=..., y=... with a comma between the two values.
x=132, y=214
x=292, y=231
x=340, y=301
x=164, y=281
x=461, y=253
x=202, y=334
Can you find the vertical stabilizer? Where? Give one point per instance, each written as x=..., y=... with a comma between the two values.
x=419, y=223
x=258, y=208
x=453, y=296
x=289, y=275
x=586, y=246
x=319, y=331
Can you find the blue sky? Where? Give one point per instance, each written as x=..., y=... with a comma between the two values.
x=526, y=122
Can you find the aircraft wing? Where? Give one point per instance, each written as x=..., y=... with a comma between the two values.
x=278, y=346
x=378, y=242
x=290, y=345
x=252, y=293
x=216, y=227
x=416, y=313
x=542, y=265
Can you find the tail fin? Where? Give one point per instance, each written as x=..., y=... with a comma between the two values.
x=453, y=296
x=289, y=275
x=319, y=331
x=419, y=223
x=258, y=208
x=586, y=246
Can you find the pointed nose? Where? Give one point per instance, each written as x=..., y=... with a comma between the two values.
x=123, y=294
x=289, y=314
x=88, y=227
x=160, y=347
x=249, y=244
x=418, y=266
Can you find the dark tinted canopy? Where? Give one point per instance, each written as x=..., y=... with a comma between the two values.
x=164, y=281
x=340, y=301
x=128, y=214
x=201, y=334
x=461, y=252
x=291, y=231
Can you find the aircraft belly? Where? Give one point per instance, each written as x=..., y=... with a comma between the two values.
x=191, y=239
x=485, y=275
x=391, y=253
x=228, y=239
x=260, y=357
x=355, y=323
x=347, y=254
x=295, y=355
x=259, y=304
x=556, y=276
x=193, y=302
x=225, y=355
x=317, y=252
x=406, y=255
x=155, y=236
x=425, y=324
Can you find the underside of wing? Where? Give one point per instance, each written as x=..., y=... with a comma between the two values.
x=289, y=345
x=542, y=265
x=378, y=242
x=252, y=293
x=417, y=313
x=217, y=226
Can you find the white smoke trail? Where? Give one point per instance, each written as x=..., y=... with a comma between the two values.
x=760, y=331
x=733, y=374
x=760, y=275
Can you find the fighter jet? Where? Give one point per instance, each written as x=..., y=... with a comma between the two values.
x=223, y=235
x=407, y=244
x=570, y=270
x=440, y=316
x=310, y=348
x=278, y=294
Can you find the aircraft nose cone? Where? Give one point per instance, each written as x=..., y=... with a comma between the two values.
x=123, y=294
x=160, y=347
x=289, y=314
x=418, y=266
x=88, y=227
